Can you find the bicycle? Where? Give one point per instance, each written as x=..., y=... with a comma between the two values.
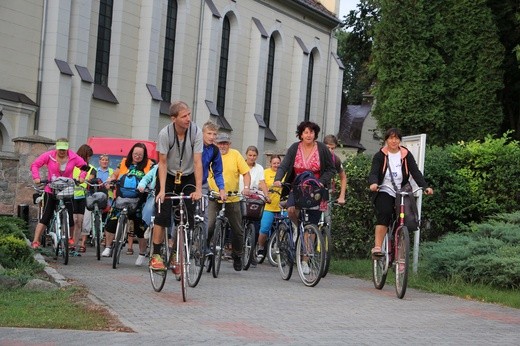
x=307, y=250
x=272, y=238
x=395, y=249
x=96, y=202
x=324, y=225
x=182, y=257
x=125, y=207
x=251, y=208
x=38, y=199
x=59, y=229
x=219, y=233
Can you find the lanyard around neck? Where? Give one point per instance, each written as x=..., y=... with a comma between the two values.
x=176, y=140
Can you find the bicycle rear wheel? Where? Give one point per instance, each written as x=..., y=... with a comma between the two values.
x=121, y=229
x=402, y=256
x=249, y=245
x=284, y=254
x=218, y=247
x=272, y=249
x=158, y=277
x=182, y=263
x=310, y=255
x=65, y=236
x=97, y=233
x=327, y=241
x=196, y=260
x=380, y=265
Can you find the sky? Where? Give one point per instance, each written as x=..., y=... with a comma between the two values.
x=345, y=6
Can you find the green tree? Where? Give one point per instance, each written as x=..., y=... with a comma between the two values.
x=355, y=49
x=507, y=18
x=438, y=67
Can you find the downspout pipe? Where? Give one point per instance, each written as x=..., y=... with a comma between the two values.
x=327, y=83
x=197, y=66
x=40, y=68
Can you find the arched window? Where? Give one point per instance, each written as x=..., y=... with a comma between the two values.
x=222, y=73
x=308, y=95
x=103, y=42
x=169, y=51
x=269, y=81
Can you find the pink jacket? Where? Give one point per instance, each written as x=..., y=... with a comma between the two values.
x=53, y=167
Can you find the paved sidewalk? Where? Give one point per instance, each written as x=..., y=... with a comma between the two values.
x=258, y=307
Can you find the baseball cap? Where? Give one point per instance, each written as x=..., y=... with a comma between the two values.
x=62, y=145
x=223, y=137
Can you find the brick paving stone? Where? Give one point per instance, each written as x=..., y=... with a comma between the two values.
x=257, y=307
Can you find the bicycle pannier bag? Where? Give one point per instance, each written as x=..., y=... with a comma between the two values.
x=252, y=208
x=308, y=192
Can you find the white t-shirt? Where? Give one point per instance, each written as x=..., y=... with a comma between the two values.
x=394, y=163
x=257, y=174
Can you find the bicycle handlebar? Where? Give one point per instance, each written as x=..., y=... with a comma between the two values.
x=401, y=192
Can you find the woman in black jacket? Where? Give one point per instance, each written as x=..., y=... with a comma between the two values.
x=306, y=155
x=391, y=168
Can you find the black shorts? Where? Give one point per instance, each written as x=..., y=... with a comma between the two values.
x=50, y=203
x=79, y=205
x=187, y=186
x=385, y=208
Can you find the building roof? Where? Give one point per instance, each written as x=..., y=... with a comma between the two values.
x=351, y=125
x=17, y=97
x=319, y=8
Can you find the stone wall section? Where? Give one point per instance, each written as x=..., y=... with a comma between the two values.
x=16, y=178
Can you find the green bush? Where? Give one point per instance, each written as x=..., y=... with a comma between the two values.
x=12, y=225
x=488, y=254
x=353, y=224
x=14, y=250
x=472, y=181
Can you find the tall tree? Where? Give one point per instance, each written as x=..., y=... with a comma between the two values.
x=355, y=49
x=507, y=18
x=438, y=67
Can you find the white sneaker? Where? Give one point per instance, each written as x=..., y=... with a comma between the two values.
x=305, y=268
x=141, y=259
x=107, y=252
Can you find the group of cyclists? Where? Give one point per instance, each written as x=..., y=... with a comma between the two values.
x=195, y=161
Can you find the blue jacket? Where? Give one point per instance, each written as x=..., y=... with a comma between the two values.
x=211, y=158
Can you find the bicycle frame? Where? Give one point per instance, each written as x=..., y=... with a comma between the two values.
x=182, y=254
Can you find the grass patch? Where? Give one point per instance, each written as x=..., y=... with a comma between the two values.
x=362, y=269
x=67, y=308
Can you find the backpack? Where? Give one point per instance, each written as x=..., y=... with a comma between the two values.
x=308, y=192
x=128, y=186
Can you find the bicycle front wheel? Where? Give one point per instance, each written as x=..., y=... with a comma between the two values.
x=182, y=263
x=310, y=255
x=97, y=233
x=402, y=256
x=272, y=249
x=380, y=265
x=327, y=241
x=218, y=247
x=158, y=277
x=121, y=229
x=249, y=245
x=285, y=251
x=196, y=260
x=65, y=236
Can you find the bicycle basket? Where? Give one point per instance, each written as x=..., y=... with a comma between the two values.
x=63, y=188
x=97, y=197
x=252, y=208
x=129, y=203
x=309, y=196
